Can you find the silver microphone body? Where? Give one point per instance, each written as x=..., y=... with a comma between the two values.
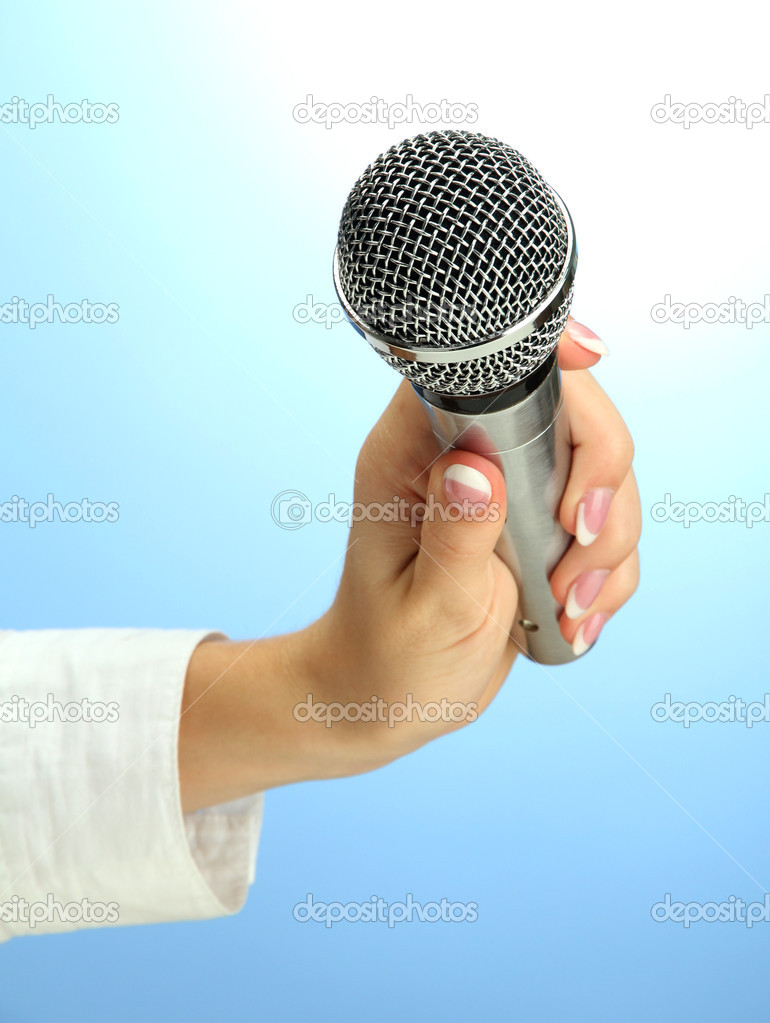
x=530, y=444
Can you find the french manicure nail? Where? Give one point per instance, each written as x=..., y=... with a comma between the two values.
x=588, y=633
x=592, y=514
x=463, y=483
x=586, y=338
x=584, y=591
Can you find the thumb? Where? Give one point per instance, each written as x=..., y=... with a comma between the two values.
x=464, y=516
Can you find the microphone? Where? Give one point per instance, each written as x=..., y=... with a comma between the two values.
x=455, y=260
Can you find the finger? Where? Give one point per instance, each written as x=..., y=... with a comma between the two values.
x=466, y=510
x=601, y=457
x=615, y=542
x=579, y=347
x=619, y=587
x=392, y=473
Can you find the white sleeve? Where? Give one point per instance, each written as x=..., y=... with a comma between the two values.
x=91, y=827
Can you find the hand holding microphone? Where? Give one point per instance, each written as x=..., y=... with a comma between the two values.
x=424, y=611
x=422, y=618
x=456, y=261
x=426, y=615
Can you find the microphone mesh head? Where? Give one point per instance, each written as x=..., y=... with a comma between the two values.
x=447, y=239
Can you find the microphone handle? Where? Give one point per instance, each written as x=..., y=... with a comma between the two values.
x=530, y=443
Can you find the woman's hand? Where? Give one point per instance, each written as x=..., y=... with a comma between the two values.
x=417, y=642
x=424, y=609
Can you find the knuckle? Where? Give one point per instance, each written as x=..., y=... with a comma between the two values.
x=619, y=450
x=630, y=577
x=446, y=546
x=622, y=532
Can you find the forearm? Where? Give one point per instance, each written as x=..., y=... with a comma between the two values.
x=238, y=732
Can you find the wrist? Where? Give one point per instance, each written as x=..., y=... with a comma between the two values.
x=332, y=745
x=242, y=727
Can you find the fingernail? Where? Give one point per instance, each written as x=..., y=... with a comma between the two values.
x=584, y=591
x=588, y=633
x=592, y=514
x=462, y=483
x=586, y=338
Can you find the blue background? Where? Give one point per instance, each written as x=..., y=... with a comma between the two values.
x=208, y=214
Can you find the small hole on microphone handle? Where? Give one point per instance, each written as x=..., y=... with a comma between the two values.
x=525, y=623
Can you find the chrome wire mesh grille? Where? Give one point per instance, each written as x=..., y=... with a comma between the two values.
x=449, y=238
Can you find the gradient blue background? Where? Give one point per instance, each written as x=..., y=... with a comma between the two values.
x=207, y=213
